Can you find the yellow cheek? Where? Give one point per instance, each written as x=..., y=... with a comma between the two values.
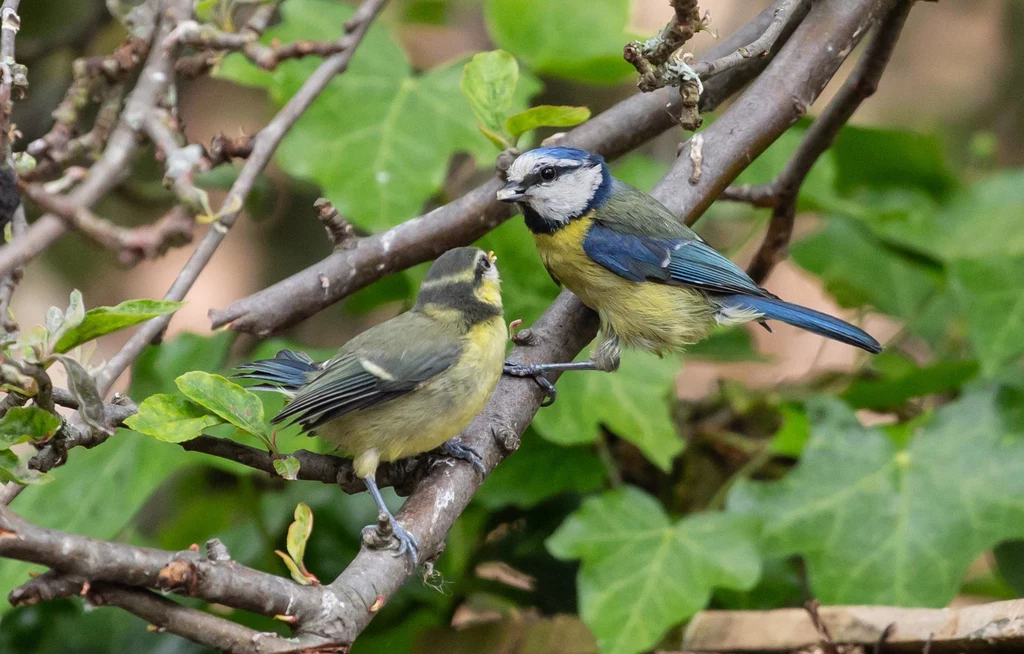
x=489, y=292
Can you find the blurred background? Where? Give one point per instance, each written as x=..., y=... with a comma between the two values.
x=951, y=95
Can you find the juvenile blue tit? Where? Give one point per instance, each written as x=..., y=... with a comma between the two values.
x=405, y=386
x=655, y=283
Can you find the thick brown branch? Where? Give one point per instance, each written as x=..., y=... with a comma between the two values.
x=861, y=84
x=186, y=572
x=264, y=145
x=612, y=133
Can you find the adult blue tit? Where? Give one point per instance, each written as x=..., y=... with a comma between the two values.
x=405, y=386
x=655, y=283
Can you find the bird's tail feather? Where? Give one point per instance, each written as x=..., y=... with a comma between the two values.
x=287, y=371
x=804, y=318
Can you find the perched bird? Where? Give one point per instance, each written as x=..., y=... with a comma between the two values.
x=405, y=386
x=655, y=283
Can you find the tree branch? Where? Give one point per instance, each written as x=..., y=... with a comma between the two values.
x=612, y=133
x=264, y=145
x=187, y=572
x=111, y=168
x=160, y=612
x=862, y=83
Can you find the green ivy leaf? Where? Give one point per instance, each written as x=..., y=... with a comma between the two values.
x=575, y=39
x=877, y=524
x=632, y=402
x=630, y=606
x=489, y=81
x=539, y=471
x=102, y=320
x=171, y=418
x=545, y=115
x=891, y=158
x=990, y=293
x=858, y=270
x=26, y=424
x=382, y=134
x=287, y=467
x=225, y=399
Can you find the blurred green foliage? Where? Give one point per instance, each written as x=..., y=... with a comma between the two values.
x=610, y=512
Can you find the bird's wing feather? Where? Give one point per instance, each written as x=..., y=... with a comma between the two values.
x=372, y=369
x=637, y=238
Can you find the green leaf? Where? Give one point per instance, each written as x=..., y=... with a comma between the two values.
x=901, y=379
x=858, y=270
x=990, y=293
x=159, y=365
x=545, y=115
x=489, y=81
x=26, y=424
x=299, y=532
x=171, y=418
x=642, y=573
x=539, y=471
x=877, y=524
x=225, y=399
x=889, y=158
x=575, y=39
x=793, y=434
x=103, y=320
x=83, y=389
x=288, y=468
x=632, y=403
x=382, y=134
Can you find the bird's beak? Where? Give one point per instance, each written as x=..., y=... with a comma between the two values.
x=511, y=192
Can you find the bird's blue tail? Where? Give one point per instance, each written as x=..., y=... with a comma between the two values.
x=287, y=371
x=804, y=318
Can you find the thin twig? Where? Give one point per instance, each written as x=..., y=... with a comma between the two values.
x=10, y=281
x=264, y=145
x=111, y=168
x=861, y=84
x=758, y=48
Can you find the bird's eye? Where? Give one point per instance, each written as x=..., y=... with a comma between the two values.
x=547, y=173
x=484, y=263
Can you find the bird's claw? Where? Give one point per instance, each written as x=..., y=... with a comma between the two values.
x=456, y=450
x=376, y=536
x=535, y=371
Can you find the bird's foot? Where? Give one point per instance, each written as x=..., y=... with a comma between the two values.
x=379, y=537
x=536, y=371
x=457, y=450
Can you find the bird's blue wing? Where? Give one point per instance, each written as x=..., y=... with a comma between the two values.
x=685, y=261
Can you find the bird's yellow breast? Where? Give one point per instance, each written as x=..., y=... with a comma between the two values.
x=428, y=416
x=647, y=315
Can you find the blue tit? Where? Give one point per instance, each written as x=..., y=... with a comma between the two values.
x=405, y=386
x=654, y=282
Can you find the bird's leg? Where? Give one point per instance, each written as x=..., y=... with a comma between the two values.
x=605, y=359
x=456, y=450
x=406, y=541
